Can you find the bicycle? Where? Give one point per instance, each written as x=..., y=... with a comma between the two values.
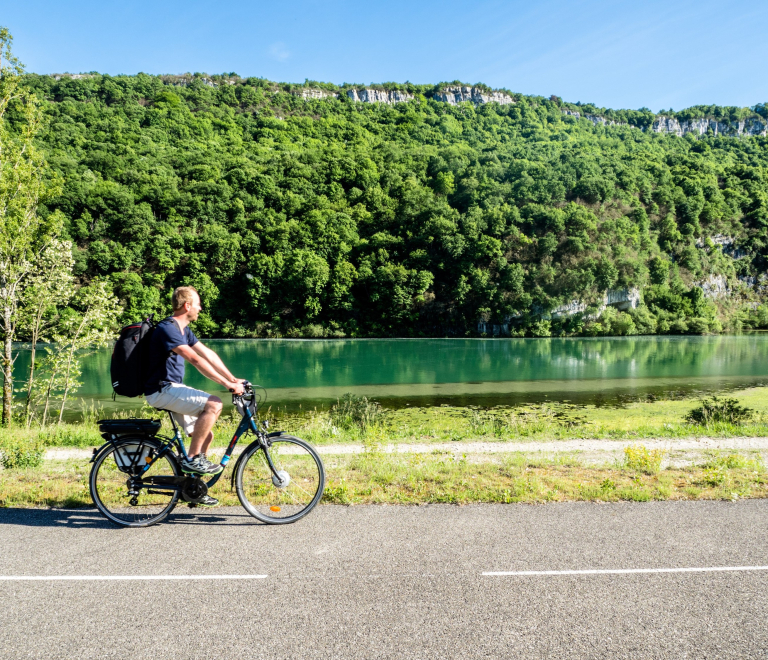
x=136, y=478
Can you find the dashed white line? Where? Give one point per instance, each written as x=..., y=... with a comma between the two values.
x=624, y=571
x=96, y=578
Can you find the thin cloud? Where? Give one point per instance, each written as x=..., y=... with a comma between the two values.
x=279, y=52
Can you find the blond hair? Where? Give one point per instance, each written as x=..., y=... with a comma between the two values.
x=181, y=295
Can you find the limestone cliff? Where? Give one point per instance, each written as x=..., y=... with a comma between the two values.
x=455, y=94
x=312, y=93
x=452, y=95
x=595, y=119
x=752, y=126
x=378, y=96
x=664, y=124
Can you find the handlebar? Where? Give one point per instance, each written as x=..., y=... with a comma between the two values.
x=246, y=386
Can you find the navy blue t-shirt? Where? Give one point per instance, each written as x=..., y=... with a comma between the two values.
x=167, y=368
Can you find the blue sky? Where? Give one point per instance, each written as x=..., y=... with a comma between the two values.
x=660, y=55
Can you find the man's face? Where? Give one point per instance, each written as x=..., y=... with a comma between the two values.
x=194, y=308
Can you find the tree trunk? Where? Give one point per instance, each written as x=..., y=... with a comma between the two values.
x=72, y=349
x=66, y=383
x=48, y=395
x=7, y=369
x=27, y=413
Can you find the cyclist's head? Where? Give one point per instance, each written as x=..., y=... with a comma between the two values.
x=186, y=300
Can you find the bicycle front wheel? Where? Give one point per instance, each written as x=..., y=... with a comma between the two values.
x=127, y=498
x=288, y=495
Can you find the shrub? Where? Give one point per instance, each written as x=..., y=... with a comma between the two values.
x=638, y=457
x=15, y=454
x=715, y=409
x=541, y=329
x=698, y=325
x=313, y=331
x=623, y=325
x=72, y=435
x=352, y=410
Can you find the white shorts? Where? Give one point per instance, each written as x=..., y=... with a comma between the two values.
x=185, y=403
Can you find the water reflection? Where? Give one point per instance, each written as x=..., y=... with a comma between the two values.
x=454, y=370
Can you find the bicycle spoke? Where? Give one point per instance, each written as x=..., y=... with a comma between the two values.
x=110, y=480
x=270, y=503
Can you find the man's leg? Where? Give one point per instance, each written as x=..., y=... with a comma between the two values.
x=202, y=435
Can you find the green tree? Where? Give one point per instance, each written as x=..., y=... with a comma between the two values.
x=89, y=323
x=49, y=289
x=24, y=184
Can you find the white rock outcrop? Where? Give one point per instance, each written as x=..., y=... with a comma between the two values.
x=664, y=124
x=569, y=309
x=378, y=96
x=714, y=287
x=312, y=93
x=726, y=243
x=752, y=126
x=455, y=94
x=622, y=299
x=595, y=119
x=73, y=76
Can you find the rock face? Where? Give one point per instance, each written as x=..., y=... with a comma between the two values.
x=457, y=94
x=726, y=243
x=715, y=286
x=621, y=299
x=73, y=76
x=595, y=119
x=310, y=93
x=664, y=124
x=378, y=96
x=751, y=126
x=186, y=81
x=451, y=95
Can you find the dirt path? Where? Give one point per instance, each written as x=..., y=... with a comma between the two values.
x=587, y=449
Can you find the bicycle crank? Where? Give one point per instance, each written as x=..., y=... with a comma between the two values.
x=193, y=490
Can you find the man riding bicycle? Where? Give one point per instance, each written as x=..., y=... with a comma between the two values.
x=195, y=411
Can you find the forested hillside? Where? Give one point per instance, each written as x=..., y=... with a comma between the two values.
x=300, y=216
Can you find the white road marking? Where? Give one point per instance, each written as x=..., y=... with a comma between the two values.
x=624, y=571
x=92, y=578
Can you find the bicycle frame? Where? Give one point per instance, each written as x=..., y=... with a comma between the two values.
x=247, y=423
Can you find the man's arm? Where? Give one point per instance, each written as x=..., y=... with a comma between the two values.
x=214, y=360
x=207, y=369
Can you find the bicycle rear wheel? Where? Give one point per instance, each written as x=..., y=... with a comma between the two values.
x=110, y=482
x=289, y=496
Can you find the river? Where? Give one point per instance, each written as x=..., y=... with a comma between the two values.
x=306, y=373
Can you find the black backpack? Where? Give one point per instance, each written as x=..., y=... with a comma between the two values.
x=130, y=358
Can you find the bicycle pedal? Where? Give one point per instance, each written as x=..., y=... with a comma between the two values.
x=192, y=505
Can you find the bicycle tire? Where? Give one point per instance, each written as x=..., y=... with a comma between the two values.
x=270, y=501
x=109, y=485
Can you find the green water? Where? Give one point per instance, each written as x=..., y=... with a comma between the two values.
x=469, y=371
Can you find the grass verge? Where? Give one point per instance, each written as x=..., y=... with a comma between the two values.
x=376, y=478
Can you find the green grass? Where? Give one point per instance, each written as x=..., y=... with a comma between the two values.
x=546, y=422
x=443, y=477
x=553, y=421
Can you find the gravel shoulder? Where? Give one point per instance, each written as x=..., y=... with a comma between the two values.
x=589, y=450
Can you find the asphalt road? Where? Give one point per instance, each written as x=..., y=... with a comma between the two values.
x=391, y=582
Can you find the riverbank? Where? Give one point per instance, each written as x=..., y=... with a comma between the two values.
x=548, y=422
x=548, y=452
